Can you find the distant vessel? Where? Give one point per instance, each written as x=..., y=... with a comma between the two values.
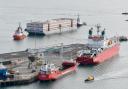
x=19, y=35
x=52, y=26
x=125, y=13
x=51, y=72
x=79, y=23
x=98, y=48
x=123, y=38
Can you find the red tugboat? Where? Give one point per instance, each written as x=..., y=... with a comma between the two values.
x=98, y=48
x=18, y=35
x=51, y=72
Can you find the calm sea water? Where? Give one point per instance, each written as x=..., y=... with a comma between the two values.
x=112, y=74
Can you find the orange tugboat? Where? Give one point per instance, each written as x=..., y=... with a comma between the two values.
x=51, y=72
x=98, y=49
x=18, y=35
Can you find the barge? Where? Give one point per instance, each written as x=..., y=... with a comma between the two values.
x=53, y=26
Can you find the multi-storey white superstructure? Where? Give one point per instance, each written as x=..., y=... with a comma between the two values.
x=51, y=26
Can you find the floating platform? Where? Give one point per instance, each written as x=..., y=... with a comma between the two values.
x=18, y=61
x=51, y=26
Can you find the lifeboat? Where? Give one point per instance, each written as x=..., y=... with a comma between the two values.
x=19, y=35
x=89, y=78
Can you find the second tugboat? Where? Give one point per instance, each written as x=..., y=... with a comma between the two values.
x=98, y=48
x=19, y=35
x=51, y=72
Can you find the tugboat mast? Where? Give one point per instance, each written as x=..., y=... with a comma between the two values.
x=78, y=19
x=20, y=26
x=98, y=28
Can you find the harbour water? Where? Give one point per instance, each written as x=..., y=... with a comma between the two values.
x=112, y=74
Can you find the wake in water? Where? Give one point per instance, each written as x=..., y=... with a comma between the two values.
x=113, y=75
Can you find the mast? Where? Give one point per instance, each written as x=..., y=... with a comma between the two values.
x=60, y=26
x=78, y=19
x=98, y=28
x=20, y=28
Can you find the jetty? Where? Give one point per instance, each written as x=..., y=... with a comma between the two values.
x=23, y=66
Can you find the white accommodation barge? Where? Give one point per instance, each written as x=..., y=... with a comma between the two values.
x=52, y=26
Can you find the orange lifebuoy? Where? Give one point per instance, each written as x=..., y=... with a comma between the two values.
x=110, y=42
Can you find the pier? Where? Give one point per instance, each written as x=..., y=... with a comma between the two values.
x=18, y=62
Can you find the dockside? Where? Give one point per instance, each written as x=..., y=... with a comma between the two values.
x=23, y=66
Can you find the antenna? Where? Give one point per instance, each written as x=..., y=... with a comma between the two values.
x=19, y=27
x=98, y=28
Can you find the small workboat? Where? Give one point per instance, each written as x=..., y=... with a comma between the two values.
x=79, y=24
x=89, y=78
x=19, y=35
x=123, y=38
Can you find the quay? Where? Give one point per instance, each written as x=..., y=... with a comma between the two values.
x=20, y=64
x=20, y=80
